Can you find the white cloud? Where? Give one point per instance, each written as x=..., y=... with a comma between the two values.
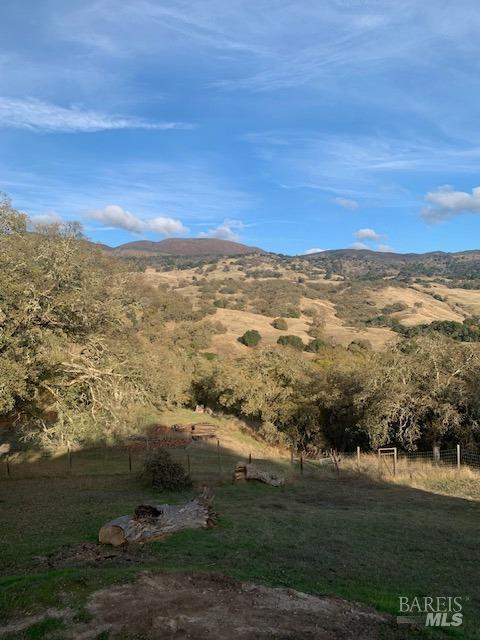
x=166, y=226
x=385, y=248
x=36, y=115
x=314, y=250
x=367, y=234
x=346, y=203
x=51, y=217
x=359, y=246
x=446, y=203
x=225, y=231
x=119, y=218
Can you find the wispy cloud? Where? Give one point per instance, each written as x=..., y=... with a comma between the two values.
x=446, y=203
x=228, y=230
x=117, y=217
x=190, y=191
x=346, y=203
x=37, y=115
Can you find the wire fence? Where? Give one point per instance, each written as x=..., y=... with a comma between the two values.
x=207, y=460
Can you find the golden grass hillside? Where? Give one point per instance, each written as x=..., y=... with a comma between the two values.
x=421, y=305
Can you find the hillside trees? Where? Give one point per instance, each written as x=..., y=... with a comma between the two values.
x=82, y=342
x=266, y=385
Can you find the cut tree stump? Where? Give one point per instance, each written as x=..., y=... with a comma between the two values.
x=146, y=526
x=246, y=472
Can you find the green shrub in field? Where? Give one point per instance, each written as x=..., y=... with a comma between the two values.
x=291, y=341
x=250, y=338
x=280, y=324
x=164, y=473
x=315, y=345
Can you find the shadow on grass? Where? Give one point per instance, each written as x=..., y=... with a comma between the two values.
x=350, y=535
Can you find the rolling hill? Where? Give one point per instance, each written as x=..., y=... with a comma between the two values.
x=185, y=247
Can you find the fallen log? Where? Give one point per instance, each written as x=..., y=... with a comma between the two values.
x=245, y=472
x=155, y=522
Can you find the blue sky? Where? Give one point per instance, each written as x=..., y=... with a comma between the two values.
x=288, y=125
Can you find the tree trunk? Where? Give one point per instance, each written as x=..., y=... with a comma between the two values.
x=246, y=472
x=196, y=514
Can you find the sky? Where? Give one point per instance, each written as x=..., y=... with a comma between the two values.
x=293, y=126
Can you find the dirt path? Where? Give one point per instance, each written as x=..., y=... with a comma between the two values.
x=199, y=606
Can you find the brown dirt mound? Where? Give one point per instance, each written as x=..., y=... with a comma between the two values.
x=199, y=606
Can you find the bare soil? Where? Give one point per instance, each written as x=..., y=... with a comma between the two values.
x=91, y=554
x=201, y=605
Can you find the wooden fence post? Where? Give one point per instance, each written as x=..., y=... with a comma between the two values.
x=395, y=461
x=358, y=455
x=458, y=456
x=249, y=458
x=8, y=465
x=301, y=464
x=130, y=461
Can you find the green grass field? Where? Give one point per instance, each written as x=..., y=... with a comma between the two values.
x=351, y=535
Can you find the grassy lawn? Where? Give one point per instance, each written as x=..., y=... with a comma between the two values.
x=352, y=536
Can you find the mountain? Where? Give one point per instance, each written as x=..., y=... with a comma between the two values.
x=185, y=247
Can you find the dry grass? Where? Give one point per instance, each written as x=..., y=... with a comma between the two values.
x=430, y=310
x=468, y=301
x=419, y=474
x=237, y=322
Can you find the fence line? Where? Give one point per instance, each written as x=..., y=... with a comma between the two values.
x=203, y=460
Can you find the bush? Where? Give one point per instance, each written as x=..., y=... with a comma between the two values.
x=250, y=338
x=163, y=473
x=395, y=307
x=280, y=324
x=291, y=341
x=360, y=344
x=315, y=345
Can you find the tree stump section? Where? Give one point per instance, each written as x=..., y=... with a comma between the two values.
x=249, y=472
x=155, y=522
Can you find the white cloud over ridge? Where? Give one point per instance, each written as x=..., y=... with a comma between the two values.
x=446, y=203
x=359, y=246
x=119, y=218
x=228, y=230
x=309, y=252
x=37, y=115
x=367, y=234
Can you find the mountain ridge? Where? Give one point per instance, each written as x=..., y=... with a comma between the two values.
x=185, y=247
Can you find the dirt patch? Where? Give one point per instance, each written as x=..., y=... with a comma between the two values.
x=199, y=606
x=91, y=554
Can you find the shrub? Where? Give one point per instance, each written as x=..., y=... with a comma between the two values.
x=291, y=341
x=360, y=344
x=280, y=324
x=250, y=338
x=315, y=345
x=164, y=473
x=395, y=307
